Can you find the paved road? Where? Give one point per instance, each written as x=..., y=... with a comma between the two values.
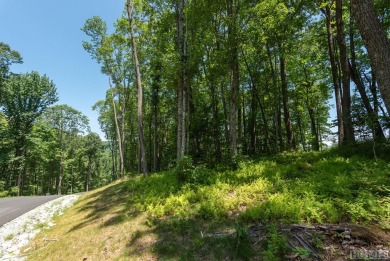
x=11, y=208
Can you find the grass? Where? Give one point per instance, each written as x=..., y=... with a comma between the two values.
x=178, y=214
x=9, y=237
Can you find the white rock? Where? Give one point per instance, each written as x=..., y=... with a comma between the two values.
x=18, y=232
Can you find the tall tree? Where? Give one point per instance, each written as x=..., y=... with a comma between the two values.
x=232, y=7
x=345, y=78
x=141, y=140
x=182, y=80
x=335, y=75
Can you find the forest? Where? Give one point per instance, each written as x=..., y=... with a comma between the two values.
x=204, y=83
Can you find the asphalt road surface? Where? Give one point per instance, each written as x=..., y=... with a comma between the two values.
x=11, y=208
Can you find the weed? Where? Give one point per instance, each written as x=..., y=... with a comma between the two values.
x=317, y=240
x=303, y=253
x=275, y=245
x=41, y=226
x=9, y=237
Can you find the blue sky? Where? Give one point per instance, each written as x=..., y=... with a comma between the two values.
x=48, y=36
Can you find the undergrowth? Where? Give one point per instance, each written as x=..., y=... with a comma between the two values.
x=333, y=186
x=312, y=187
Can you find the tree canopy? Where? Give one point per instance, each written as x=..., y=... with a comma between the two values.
x=208, y=81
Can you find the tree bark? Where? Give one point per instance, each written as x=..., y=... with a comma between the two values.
x=346, y=98
x=377, y=43
x=141, y=140
x=234, y=74
x=119, y=136
x=181, y=90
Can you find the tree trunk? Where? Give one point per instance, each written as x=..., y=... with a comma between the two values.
x=61, y=174
x=141, y=140
x=278, y=115
x=286, y=111
x=377, y=43
x=155, y=101
x=301, y=130
x=234, y=74
x=335, y=75
x=19, y=165
x=119, y=136
x=61, y=170
x=264, y=118
x=225, y=114
x=181, y=90
x=346, y=99
x=252, y=124
x=314, y=132
x=216, y=133
x=88, y=174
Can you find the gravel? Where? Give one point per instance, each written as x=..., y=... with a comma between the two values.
x=18, y=232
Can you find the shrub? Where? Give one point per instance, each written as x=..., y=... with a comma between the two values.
x=184, y=169
x=186, y=172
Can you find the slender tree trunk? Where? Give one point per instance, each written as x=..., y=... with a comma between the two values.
x=72, y=181
x=61, y=173
x=18, y=165
x=216, y=133
x=61, y=170
x=155, y=103
x=286, y=111
x=301, y=130
x=119, y=137
x=214, y=104
x=244, y=128
x=374, y=93
x=346, y=99
x=222, y=87
x=377, y=43
x=314, y=131
x=225, y=114
x=141, y=140
x=181, y=91
x=335, y=75
x=278, y=115
x=259, y=101
x=252, y=124
x=88, y=174
x=234, y=74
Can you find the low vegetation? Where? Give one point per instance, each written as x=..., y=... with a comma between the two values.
x=194, y=213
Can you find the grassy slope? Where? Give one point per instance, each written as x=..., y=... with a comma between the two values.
x=159, y=218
